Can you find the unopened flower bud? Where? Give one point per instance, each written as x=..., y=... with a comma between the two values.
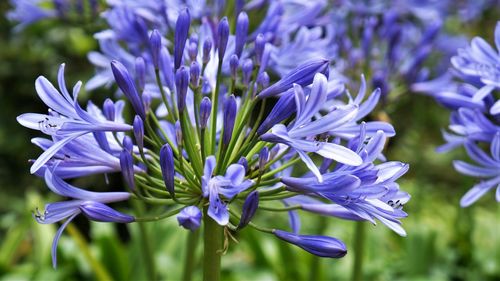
x=181, y=35
x=233, y=65
x=222, y=37
x=207, y=47
x=260, y=44
x=205, y=109
x=167, y=168
x=322, y=246
x=128, y=144
x=247, y=69
x=127, y=168
x=139, y=132
x=229, y=118
x=126, y=84
x=194, y=74
x=155, y=46
x=263, y=158
x=192, y=50
x=109, y=109
x=241, y=33
x=181, y=83
x=249, y=208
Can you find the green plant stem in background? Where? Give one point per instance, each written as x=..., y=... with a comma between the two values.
x=359, y=247
x=190, y=259
x=100, y=271
x=212, y=248
x=147, y=251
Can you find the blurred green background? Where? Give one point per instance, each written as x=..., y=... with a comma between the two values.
x=444, y=241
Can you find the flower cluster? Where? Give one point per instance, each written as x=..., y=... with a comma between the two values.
x=202, y=144
x=473, y=97
x=27, y=12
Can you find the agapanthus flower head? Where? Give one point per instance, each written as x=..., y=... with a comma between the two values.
x=471, y=93
x=202, y=139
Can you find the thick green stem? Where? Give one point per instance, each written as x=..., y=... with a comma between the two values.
x=359, y=245
x=213, y=247
x=190, y=259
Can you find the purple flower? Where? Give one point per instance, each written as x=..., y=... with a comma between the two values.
x=190, y=218
x=91, y=204
x=295, y=135
x=229, y=185
x=66, y=120
x=488, y=168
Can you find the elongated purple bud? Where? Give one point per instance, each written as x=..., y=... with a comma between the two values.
x=247, y=69
x=241, y=33
x=229, y=118
x=128, y=145
x=249, y=208
x=205, y=108
x=222, y=37
x=263, y=80
x=207, y=47
x=140, y=73
x=108, y=109
x=167, y=168
x=98, y=211
x=194, y=74
x=192, y=50
x=181, y=83
x=139, y=132
x=233, y=65
x=155, y=46
x=166, y=67
x=126, y=84
x=322, y=246
x=243, y=162
x=263, y=158
x=127, y=168
x=282, y=110
x=302, y=75
x=190, y=218
x=181, y=35
x=260, y=44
